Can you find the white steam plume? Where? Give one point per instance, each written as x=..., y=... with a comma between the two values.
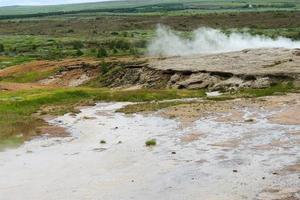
x=208, y=40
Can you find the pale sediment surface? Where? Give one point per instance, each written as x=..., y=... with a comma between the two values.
x=254, y=156
x=248, y=62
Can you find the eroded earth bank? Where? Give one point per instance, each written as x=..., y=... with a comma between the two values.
x=223, y=150
x=252, y=68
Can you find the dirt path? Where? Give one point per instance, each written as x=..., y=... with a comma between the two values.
x=244, y=151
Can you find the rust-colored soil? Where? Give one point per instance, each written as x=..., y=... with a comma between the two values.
x=53, y=131
x=42, y=66
x=20, y=86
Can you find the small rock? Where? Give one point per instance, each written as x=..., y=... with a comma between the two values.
x=249, y=120
x=99, y=149
x=235, y=171
x=174, y=78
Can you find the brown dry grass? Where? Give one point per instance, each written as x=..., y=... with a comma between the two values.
x=83, y=26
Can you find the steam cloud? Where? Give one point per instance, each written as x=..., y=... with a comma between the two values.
x=208, y=40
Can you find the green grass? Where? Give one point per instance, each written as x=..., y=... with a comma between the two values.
x=48, y=47
x=17, y=108
x=277, y=89
x=27, y=77
x=151, y=142
x=6, y=61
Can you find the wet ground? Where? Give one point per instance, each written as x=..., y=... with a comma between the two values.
x=237, y=150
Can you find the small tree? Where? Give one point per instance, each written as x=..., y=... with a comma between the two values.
x=102, y=53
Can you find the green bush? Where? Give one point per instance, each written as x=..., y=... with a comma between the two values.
x=102, y=53
x=77, y=44
x=79, y=52
x=1, y=48
x=118, y=44
x=140, y=44
x=133, y=51
x=151, y=142
x=104, y=67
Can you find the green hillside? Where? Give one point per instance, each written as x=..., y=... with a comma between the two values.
x=145, y=6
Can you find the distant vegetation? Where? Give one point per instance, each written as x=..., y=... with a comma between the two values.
x=147, y=6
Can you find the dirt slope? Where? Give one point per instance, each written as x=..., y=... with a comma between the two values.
x=69, y=72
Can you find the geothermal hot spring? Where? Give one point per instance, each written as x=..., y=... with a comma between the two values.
x=233, y=155
x=207, y=40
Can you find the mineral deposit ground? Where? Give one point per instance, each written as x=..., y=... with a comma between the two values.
x=236, y=149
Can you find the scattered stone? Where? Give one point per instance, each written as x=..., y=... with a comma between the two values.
x=249, y=120
x=88, y=118
x=99, y=149
x=174, y=78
